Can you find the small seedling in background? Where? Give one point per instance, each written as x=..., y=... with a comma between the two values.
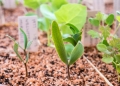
x=77, y=51
x=26, y=53
x=109, y=43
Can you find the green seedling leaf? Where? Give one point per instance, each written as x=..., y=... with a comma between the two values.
x=93, y=34
x=69, y=48
x=94, y=21
x=56, y=4
x=74, y=14
x=118, y=18
x=105, y=42
x=27, y=57
x=101, y=47
x=107, y=59
x=110, y=19
x=70, y=40
x=58, y=42
x=105, y=31
x=34, y=4
x=65, y=29
x=77, y=37
x=115, y=42
x=73, y=28
x=25, y=38
x=117, y=57
x=29, y=44
x=76, y=53
x=47, y=12
x=16, y=51
x=99, y=16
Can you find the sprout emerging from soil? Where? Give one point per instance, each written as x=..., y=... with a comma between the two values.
x=109, y=43
x=60, y=48
x=26, y=46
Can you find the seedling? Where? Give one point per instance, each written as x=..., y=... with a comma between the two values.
x=47, y=9
x=67, y=58
x=26, y=53
x=109, y=43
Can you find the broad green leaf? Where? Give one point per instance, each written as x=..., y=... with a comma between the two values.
x=115, y=43
x=94, y=21
x=117, y=57
x=27, y=57
x=93, y=34
x=118, y=18
x=107, y=52
x=69, y=48
x=107, y=59
x=77, y=37
x=105, y=31
x=72, y=13
x=76, y=53
x=30, y=14
x=29, y=44
x=47, y=12
x=110, y=19
x=65, y=29
x=101, y=47
x=70, y=40
x=56, y=4
x=73, y=28
x=105, y=42
x=58, y=42
x=99, y=16
x=34, y=4
x=25, y=38
x=16, y=51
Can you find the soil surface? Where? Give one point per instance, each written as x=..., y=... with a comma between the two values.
x=44, y=67
x=106, y=69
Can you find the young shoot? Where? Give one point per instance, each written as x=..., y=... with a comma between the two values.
x=109, y=43
x=78, y=48
x=26, y=53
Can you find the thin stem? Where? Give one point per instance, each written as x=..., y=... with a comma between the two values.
x=25, y=64
x=68, y=71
